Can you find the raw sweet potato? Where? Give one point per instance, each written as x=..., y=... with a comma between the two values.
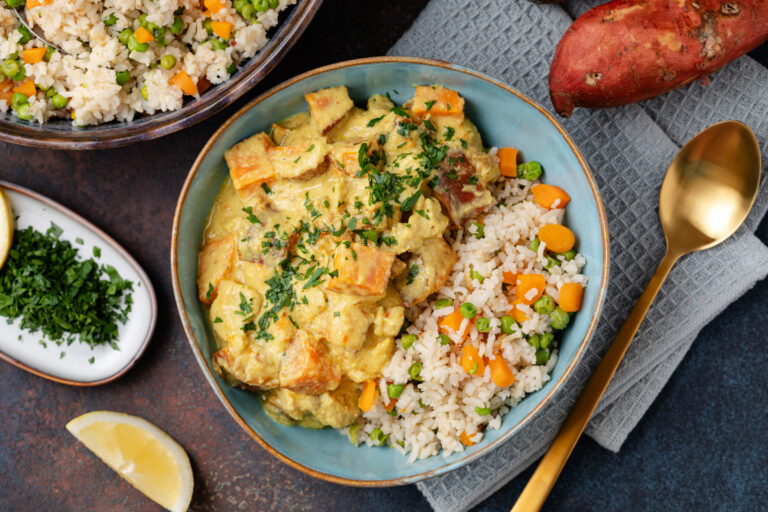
x=630, y=50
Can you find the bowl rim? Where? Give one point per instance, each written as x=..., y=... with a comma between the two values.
x=164, y=123
x=191, y=338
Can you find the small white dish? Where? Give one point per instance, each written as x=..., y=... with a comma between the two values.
x=80, y=365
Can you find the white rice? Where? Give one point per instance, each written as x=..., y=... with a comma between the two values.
x=433, y=415
x=85, y=75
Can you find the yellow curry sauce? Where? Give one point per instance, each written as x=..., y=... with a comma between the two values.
x=328, y=227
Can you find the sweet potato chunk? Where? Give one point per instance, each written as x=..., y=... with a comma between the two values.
x=363, y=270
x=214, y=263
x=459, y=188
x=428, y=268
x=249, y=164
x=307, y=366
x=328, y=106
x=300, y=162
x=346, y=157
x=437, y=101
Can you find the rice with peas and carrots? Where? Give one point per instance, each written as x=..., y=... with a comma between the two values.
x=451, y=381
x=124, y=58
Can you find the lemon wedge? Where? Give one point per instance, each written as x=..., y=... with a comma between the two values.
x=141, y=453
x=6, y=227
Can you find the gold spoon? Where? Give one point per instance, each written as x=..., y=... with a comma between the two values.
x=707, y=193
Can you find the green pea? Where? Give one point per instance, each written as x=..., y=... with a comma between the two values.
x=260, y=5
x=414, y=371
x=443, y=303
x=507, y=322
x=393, y=411
x=49, y=51
x=144, y=92
x=545, y=305
x=353, y=433
x=177, y=27
x=468, y=310
x=546, y=339
x=26, y=35
x=23, y=112
x=483, y=411
x=408, y=340
x=135, y=46
x=483, y=324
x=9, y=67
x=378, y=437
x=110, y=20
x=542, y=356
x=474, y=274
x=568, y=255
x=13, y=3
x=159, y=34
x=125, y=35
x=18, y=99
x=529, y=170
x=273, y=4
x=239, y=4
x=395, y=390
x=444, y=339
x=534, y=245
x=217, y=44
x=231, y=69
x=21, y=75
x=59, y=101
x=168, y=61
x=535, y=341
x=122, y=77
x=479, y=231
x=50, y=93
x=207, y=26
x=559, y=319
x=248, y=11
x=551, y=262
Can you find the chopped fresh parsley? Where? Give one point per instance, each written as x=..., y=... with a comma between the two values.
x=253, y=219
x=412, y=273
x=373, y=121
x=429, y=104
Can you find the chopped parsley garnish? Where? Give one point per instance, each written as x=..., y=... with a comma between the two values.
x=253, y=219
x=412, y=273
x=400, y=111
x=429, y=104
x=267, y=190
x=373, y=121
x=314, y=276
x=448, y=133
x=428, y=124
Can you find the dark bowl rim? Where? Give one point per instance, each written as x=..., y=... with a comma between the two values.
x=158, y=125
x=207, y=371
x=126, y=256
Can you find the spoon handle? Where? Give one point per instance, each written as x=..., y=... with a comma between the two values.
x=543, y=479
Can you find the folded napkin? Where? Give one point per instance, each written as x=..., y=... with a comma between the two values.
x=628, y=150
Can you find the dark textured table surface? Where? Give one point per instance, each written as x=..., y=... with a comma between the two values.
x=702, y=446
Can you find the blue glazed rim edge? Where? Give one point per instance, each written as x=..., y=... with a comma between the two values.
x=208, y=372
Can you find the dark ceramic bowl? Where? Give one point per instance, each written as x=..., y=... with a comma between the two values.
x=61, y=134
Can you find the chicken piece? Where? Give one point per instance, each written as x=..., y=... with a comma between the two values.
x=252, y=274
x=328, y=106
x=438, y=101
x=459, y=188
x=363, y=270
x=380, y=102
x=253, y=364
x=300, y=162
x=307, y=366
x=214, y=264
x=366, y=363
x=293, y=129
x=425, y=221
x=266, y=244
x=337, y=408
x=428, y=268
x=486, y=166
x=345, y=322
x=235, y=305
x=249, y=164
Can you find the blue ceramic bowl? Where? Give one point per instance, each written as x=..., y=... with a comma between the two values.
x=505, y=117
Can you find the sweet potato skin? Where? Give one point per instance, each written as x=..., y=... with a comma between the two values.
x=630, y=50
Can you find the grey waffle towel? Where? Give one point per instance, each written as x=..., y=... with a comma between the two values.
x=628, y=150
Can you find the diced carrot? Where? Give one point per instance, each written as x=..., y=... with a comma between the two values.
x=526, y=283
x=388, y=406
x=500, y=373
x=27, y=88
x=508, y=162
x=368, y=396
x=471, y=361
x=453, y=322
x=33, y=55
x=550, y=196
x=557, y=237
x=509, y=278
x=571, y=295
x=143, y=35
x=517, y=313
x=183, y=82
x=33, y=3
x=438, y=101
x=465, y=439
x=214, y=6
x=223, y=29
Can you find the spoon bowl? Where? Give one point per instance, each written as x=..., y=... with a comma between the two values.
x=710, y=187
